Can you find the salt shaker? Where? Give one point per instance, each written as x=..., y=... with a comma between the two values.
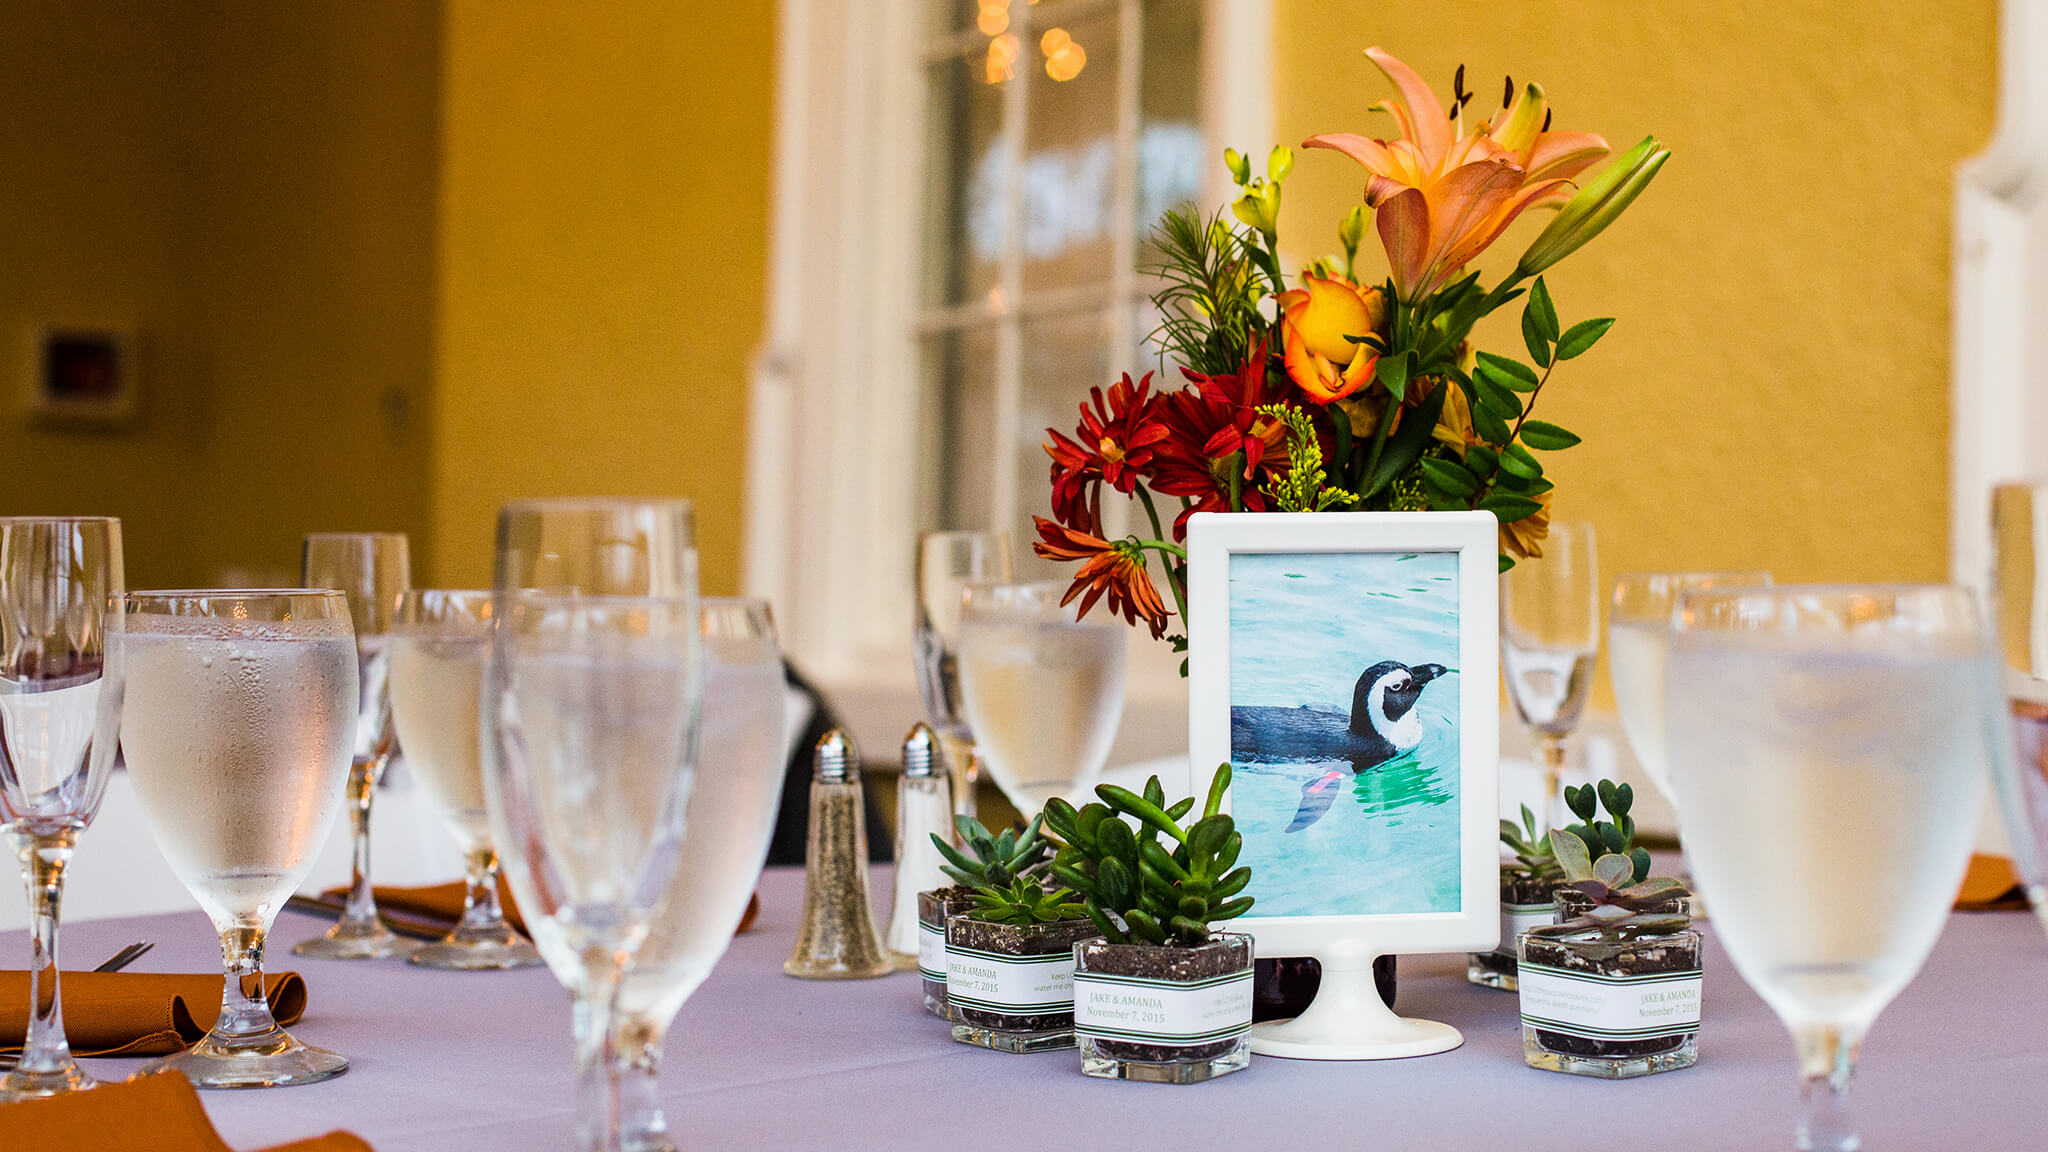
x=837, y=939
x=924, y=808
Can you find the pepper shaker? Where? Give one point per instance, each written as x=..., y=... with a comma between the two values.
x=837, y=939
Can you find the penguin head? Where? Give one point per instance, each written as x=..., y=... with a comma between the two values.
x=1400, y=687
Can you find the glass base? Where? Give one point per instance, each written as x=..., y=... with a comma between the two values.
x=272, y=1061
x=1684, y=1053
x=475, y=955
x=22, y=1084
x=347, y=941
x=1097, y=1062
x=1004, y=1040
x=1491, y=970
x=656, y=1141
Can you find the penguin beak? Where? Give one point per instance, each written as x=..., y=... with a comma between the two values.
x=1427, y=672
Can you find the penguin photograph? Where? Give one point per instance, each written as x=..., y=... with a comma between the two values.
x=1344, y=730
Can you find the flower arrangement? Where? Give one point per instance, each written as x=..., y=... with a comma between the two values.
x=1334, y=394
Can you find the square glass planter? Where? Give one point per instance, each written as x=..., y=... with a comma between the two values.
x=933, y=906
x=1164, y=1014
x=1525, y=902
x=1572, y=904
x=1610, y=1008
x=1011, y=987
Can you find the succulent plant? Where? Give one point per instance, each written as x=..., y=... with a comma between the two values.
x=1622, y=903
x=1023, y=901
x=1532, y=850
x=1615, y=835
x=990, y=860
x=1136, y=888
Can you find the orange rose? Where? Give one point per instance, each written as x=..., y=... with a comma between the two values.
x=1314, y=321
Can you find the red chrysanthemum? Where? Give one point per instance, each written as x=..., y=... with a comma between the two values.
x=1116, y=570
x=1113, y=444
x=1214, y=430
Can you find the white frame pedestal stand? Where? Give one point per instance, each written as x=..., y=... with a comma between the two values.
x=1348, y=1020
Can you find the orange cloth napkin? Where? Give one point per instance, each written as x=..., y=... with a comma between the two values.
x=442, y=904
x=160, y=1113
x=1991, y=885
x=137, y=1013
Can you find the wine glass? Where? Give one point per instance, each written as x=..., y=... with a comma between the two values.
x=60, y=703
x=947, y=562
x=595, y=605
x=731, y=816
x=2019, y=579
x=1827, y=745
x=238, y=724
x=1549, y=639
x=1638, y=638
x=1043, y=692
x=373, y=570
x=437, y=668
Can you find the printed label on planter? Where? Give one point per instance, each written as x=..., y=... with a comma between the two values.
x=1170, y=1012
x=1014, y=985
x=1516, y=919
x=1597, y=1007
x=931, y=951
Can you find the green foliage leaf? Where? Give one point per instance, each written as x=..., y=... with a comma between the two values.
x=1450, y=477
x=1406, y=444
x=1490, y=427
x=1481, y=459
x=1513, y=373
x=1517, y=461
x=1571, y=855
x=1508, y=508
x=1582, y=800
x=1582, y=336
x=1614, y=871
x=1532, y=338
x=1393, y=375
x=1546, y=314
x=1547, y=437
x=1496, y=399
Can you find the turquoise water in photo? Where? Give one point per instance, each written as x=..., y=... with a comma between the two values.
x=1302, y=629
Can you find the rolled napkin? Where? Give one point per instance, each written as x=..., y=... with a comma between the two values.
x=137, y=1013
x=161, y=1113
x=1991, y=885
x=431, y=910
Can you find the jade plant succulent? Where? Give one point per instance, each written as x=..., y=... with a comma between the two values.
x=1023, y=902
x=1533, y=856
x=1138, y=888
x=1617, y=834
x=1622, y=903
x=992, y=861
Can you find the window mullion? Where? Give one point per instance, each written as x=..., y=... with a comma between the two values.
x=1004, y=514
x=1123, y=232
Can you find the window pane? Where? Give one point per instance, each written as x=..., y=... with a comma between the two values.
x=1171, y=151
x=1064, y=356
x=960, y=379
x=963, y=239
x=1069, y=172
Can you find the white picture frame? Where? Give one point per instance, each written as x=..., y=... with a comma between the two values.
x=1348, y=1021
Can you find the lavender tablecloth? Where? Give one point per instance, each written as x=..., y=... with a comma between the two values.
x=448, y=1062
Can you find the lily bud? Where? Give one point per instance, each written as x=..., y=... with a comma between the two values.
x=1352, y=230
x=1595, y=206
x=1279, y=163
x=1259, y=207
x=1240, y=168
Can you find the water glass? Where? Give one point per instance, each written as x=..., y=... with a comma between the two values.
x=2019, y=579
x=1043, y=692
x=731, y=816
x=60, y=704
x=947, y=562
x=437, y=669
x=1549, y=639
x=373, y=569
x=1827, y=747
x=238, y=723
x=1638, y=639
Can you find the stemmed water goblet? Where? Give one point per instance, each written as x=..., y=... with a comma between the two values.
x=947, y=562
x=237, y=723
x=373, y=569
x=731, y=816
x=1638, y=640
x=2019, y=580
x=437, y=665
x=1043, y=692
x=1549, y=640
x=59, y=707
x=1826, y=747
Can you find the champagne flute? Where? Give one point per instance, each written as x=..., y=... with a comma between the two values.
x=373, y=570
x=1827, y=745
x=1638, y=639
x=1549, y=639
x=239, y=718
x=947, y=562
x=437, y=668
x=2019, y=579
x=731, y=816
x=1044, y=692
x=60, y=705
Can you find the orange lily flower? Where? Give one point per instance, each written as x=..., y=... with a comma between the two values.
x=1443, y=196
x=1314, y=321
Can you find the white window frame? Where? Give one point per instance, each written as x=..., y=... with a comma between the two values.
x=832, y=458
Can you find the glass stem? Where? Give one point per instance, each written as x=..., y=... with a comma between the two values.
x=244, y=1002
x=597, y=1074
x=1827, y=1056
x=480, y=909
x=1551, y=748
x=963, y=764
x=642, y=1127
x=362, y=788
x=44, y=856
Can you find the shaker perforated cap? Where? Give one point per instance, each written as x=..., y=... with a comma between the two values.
x=921, y=752
x=835, y=761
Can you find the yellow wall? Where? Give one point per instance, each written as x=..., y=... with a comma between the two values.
x=1776, y=391
x=602, y=258
x=250, y=188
